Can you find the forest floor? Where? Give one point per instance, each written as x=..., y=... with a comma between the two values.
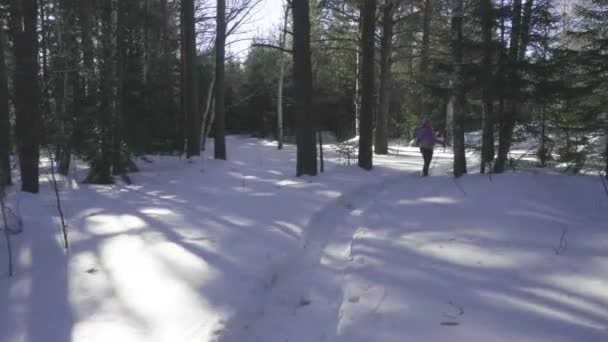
x=242, y=250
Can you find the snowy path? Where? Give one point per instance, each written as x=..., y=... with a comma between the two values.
x=244, y=251
x=425, y=260
x=172, y=257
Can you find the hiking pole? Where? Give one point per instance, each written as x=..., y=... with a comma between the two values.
x=434, y=162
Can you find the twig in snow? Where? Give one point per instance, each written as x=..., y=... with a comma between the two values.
x=603, y=181
x=459, y=311
x=6, y=232
x=459, y=187
x=54, y=183
x=563, y=243
x=490, y=167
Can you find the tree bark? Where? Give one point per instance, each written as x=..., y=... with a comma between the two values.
x=5, y=125
x=281, y=80
x=208, y=117
x=386, y=49
x=525, y=28
x=305, y=119
x=27, y=92
x=190, y=87
x=460, y=164
x=367, y=84
x=120, y=154
x=487, y=144
x=542, y=149
x=63, y=81
x=220, y=86
x=86, y=28
x=44, y=66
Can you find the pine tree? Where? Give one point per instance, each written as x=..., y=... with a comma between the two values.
x=460, y=163
x=24, y=14
x=386, y=50
x=302, y=67
x=367, y=84
x=5, y=125
x=592, y=59
x=190, y=85
x=487, y=26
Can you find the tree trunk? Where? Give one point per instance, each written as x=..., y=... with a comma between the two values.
x=120, y=154
x=427, y=19
x=5, y=125
x=460, y=164
x=281, y=79
x=357, y=97
x=44, y=66
x=487, y=144
x=367, y=84
x=207, y=120
x=508, y=116
x=305, y=119
x=449, y=118
x=27, y=93
x=86, y=27
x=542, y=150
x=65, y=64
x=220, y=86
x=525, y=28
x=101, y=166
x=386, y=49
x=190, y=88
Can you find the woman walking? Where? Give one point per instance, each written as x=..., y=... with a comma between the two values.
x=427, y=141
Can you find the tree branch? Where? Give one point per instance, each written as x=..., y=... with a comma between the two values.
x=270, y=46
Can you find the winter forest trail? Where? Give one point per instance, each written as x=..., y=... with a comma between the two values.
x=436, y=259
x=243, y=250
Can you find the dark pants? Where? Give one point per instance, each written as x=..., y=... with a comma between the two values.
x=427, y=155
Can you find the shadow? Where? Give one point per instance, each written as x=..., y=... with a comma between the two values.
x=36, y=300
x=423, y=260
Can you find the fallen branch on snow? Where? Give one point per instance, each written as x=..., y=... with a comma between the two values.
x=55, y=184
x=563, y=243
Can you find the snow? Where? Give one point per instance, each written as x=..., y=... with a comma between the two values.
x=242, y=250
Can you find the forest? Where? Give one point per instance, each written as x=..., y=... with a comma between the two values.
x=106, y=81
x=249, y=170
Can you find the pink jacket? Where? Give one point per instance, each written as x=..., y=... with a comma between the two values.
x=427, y=138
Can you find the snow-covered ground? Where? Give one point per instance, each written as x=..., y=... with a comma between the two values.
x=244, y=251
